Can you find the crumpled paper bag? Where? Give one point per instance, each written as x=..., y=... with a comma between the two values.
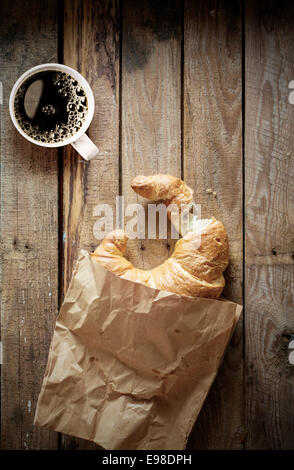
x=129, y=366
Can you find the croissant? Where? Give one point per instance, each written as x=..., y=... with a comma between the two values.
x=194, y=269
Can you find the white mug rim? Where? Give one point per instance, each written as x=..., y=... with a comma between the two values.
x=63, y=68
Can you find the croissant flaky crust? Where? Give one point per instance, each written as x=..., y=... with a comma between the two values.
x=196, y=266
x=168, y=188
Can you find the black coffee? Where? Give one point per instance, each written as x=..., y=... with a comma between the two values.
x=50, y=106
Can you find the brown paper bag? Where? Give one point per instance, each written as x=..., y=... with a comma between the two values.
x=129, y=366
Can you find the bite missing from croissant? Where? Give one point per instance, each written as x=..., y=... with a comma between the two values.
x=194, y=270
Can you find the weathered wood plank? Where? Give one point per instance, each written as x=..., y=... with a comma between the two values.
x=91, y=45
x=213, y=168
x=151, y=104
x=29, y=226
x=269, y=223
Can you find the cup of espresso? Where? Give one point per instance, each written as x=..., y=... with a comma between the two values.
x=52, y=105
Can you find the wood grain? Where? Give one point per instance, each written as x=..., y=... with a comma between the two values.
x=91, y=46
x=269, y=224
x=212, y=124
x=29, y=226
x=151, y=105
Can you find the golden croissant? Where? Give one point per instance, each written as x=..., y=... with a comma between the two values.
x=194, y=269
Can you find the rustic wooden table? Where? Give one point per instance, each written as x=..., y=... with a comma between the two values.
x=197, y=89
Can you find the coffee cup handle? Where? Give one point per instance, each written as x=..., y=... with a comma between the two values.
x=85, y=147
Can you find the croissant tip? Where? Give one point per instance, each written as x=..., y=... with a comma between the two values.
x=140, y=180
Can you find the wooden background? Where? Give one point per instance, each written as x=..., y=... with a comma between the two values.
x=198, y=89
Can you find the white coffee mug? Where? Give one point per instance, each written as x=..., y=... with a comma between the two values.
x=80, y=141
